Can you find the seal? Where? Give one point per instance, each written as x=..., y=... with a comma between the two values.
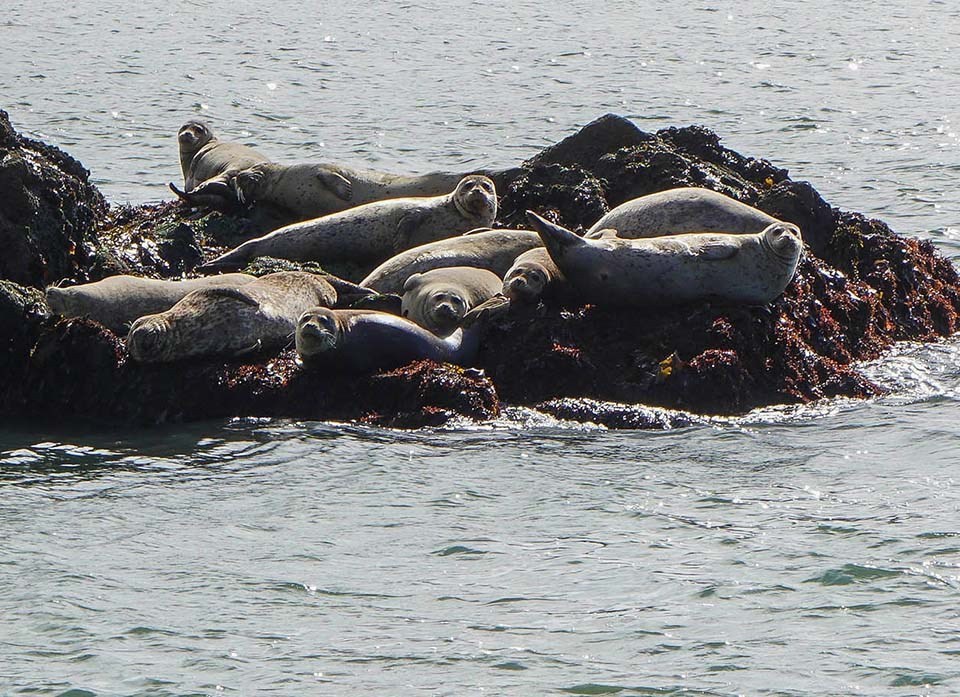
x=314, y=190
x=438, y=300
x=230, y=321
x=117, y=301
x=208, y=166
x=375, y=231
x=364, y=341
x=679, y=211
x=660, y=271
x=533, y=276
x=484, y=248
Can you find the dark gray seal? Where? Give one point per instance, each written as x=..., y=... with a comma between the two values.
x=439, y=299
x=493, y=250
x=375, y=231
x=364, y=341
x=231, y=321
x=117, y=301
x=209, y=165
x=662, y=271
x=681, y=210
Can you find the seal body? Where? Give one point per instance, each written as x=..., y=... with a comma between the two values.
x=313, y=190
x=682, y=210
x=374, y=231
x=117, y=301
x=229, y=321
x=533, y=276
x=438, y=300
x=660, y=271
x=365, y=341
x=208, y=166
x=493, y=250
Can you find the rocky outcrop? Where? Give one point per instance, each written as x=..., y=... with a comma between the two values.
x=859, y=288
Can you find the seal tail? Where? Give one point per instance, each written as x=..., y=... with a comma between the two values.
x=555, y=238
x=231, y=261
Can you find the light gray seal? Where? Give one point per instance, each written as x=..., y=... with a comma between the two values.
x=231, y=321
x=375, y=231
x=662, y=271
x=209, y=165
x=493, y=250
x=438, y=300
x=313, y=190
x=534, y=276
x=682, y=210
x=117, y=301
x=364, y=341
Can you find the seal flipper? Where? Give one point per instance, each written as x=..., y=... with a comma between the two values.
x=405, y=229
x=232, y=293
x=555, y=238
x=718, y=251
x=348, y=292
x=341, y=187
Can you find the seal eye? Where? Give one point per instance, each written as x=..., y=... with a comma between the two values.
x=406, y=313
x=604, y=276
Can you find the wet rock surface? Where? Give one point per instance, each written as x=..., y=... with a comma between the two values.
x=859, y=288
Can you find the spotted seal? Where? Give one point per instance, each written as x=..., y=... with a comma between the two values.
x=364, y=341
x=438, y=299
x=493, y=250
x=208, y=166
x=660, y=271
x=681, y=210
x=117, y=301
x=232, y=321
x=309, y=190
x=375, y=231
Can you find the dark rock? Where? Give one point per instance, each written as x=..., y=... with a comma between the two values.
x=48, y=210
x=860, y=288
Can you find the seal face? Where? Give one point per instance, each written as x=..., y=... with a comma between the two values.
x=374, y=231
x=229, y=321
x=679, y=211
x=533, y=276
x=117, y=301
x=493, y=250
x=366, y=341
x=653, y=272
x=438, y=299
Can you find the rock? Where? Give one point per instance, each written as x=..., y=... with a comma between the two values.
x=48, y=211
x=859, y=288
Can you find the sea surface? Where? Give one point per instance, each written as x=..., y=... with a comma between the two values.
x=809, y=551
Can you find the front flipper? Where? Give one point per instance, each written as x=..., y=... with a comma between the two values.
x=718, y=251
x=408, y=228
x=341, y=187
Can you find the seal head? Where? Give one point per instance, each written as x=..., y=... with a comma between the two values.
x=318, y=331
x=476, y=197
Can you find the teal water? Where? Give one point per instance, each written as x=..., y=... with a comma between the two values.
x=796, y=551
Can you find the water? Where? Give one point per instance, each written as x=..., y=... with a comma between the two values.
x=810, y=551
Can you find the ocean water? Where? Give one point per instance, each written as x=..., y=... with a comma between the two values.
x=809, y=551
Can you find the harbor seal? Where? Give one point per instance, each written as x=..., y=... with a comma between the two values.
x=533, y=276
x=313, y=190
x=493, y=250
x=230, y=321
x=438, y=300
x=679, y=211
x=364, y=341
x=660, y=271
x=374, y=231
x=208, y=166
x=117, y=301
